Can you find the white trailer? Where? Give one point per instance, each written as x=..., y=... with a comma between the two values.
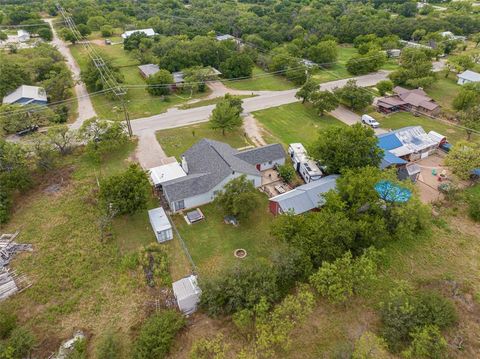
x=304, y=165
x=160, y=224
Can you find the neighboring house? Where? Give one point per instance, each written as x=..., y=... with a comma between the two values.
x=187, y=293
x=210, y=165
x=308, y=63
x=178, y=77
x=407, y=144
x=148, y=70
x=414, y=44
x=148, y=32
x=416, y=101
x=304, y=165
x=224, y=37
x=160, y=224
x=23, y=36
x=303, y=198
x=467, y=77
x=27, y=95
x=451, y=36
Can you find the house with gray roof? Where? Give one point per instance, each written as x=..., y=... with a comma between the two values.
x=26, y=95
x=467, y=77
x=303, y=198
x=148, y=70
x=210, y=165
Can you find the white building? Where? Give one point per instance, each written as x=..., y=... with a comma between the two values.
x=304, y=165
x=187, y=293
x=23, y=36
x=160, y=224
x=148, y=32
x=209, y=165
x=467, y=77
x=165, y=173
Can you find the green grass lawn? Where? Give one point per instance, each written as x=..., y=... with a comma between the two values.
x=175, y=141
x=211, y=242
x=295, y=122
x=444, y=90
x=403, y=119
x=139, y=102
x=263, y=82
x=78, y=280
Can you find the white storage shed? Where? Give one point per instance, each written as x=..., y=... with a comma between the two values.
x=160, y=224
x=187, y=292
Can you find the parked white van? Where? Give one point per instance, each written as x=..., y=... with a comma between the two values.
x=370, y=121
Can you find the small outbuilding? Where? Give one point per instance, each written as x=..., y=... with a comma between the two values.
x=148, y=70
x=148, y=32
x=26, y=95
x=23, y=35
x=160, y=224
x=167, y=172
x=187, y=293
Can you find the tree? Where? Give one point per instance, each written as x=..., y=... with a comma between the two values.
x=45, y=33
x=372, y=61
x=14, y=170
x=324, y=101
x=324, y=53
x=225, y=117
x=237, y=66
x=68, y=35
x=461, y=62
x=106, y=30
x=96, y=22
x=133, y=41
x=384, y=86
x=160, y=83
x=370, y=346
x=468, y=97
x=44, y=153
x=3, y=35
x=61, y=137
x=92, y=77
x=157, y=334
x=238, y=198
x=286, y=172
x=353, y=96
x=340, y=148
x=214, y=348
x=427, y=343
x=346, y=276
x=127, y=192
x=307, y=90
x=470, y=120
x=415, y=68
x=13, y=75
x=463, y=157
x=84, y=30
x=102, y=136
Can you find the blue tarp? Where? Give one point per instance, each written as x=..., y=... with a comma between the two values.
x=476, y=172
x=392, y=193
x=388, y=141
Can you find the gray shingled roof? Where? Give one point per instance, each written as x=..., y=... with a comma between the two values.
x=209, y=163
x=262, y=154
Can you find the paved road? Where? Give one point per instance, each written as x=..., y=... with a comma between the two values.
x=85, y=108
x=143, y=127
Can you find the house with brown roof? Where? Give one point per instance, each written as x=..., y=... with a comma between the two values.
x=416, y=101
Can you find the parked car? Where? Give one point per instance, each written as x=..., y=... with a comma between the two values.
x=370, y=121
x=27, y=130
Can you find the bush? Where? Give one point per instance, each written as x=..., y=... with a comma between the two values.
x=5, y=204
x=427, y=342
x=159, y=83
x=238, y=198
x=109, y=347
x=214, y=348
x=403, y=312
x=8, y=322
x=384, y=86
x=287, y=172
x=157, y=335
x=473, y=207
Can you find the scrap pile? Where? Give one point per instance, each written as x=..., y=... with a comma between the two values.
x=10, y=281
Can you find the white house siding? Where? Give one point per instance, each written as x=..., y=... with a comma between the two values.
x=209, y=196
x=267, y=165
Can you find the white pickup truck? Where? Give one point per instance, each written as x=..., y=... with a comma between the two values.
x=370, y=121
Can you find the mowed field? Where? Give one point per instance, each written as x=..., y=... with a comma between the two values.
x=139, y=102
x=261, y=81
x=294, y=122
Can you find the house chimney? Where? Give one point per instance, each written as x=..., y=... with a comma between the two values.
x=184, y=164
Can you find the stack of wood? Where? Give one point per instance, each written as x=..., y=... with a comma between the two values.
x=10, y=281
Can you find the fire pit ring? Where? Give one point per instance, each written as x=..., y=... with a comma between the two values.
x=240, y=253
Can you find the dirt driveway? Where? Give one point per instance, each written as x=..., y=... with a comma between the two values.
x=428, y=182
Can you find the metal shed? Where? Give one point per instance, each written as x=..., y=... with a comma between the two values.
x=187, y=292
x=160, y=224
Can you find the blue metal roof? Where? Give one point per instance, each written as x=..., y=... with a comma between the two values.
x=389, y=141
x=390, y=192
x=390, y=159
x=476, y=172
